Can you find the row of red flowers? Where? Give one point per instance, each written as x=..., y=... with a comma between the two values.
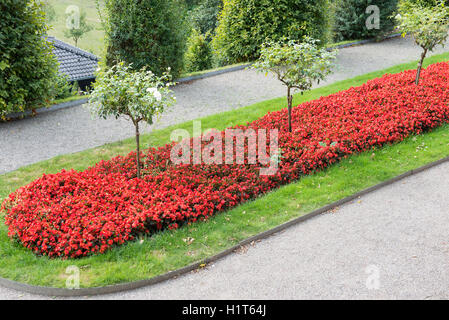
x=75, y=214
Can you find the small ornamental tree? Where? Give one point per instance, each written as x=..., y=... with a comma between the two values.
x=429, y=26
x=78, y=28
x=139, y=95
x=296, y=65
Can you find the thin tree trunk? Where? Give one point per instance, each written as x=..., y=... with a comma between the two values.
x=418, y=73
x=138, y=148
x=290, y=101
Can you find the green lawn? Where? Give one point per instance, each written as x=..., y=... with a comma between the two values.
x=93, y=41
x=167, y=250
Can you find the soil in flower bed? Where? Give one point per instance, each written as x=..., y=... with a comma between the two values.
x=75, y=214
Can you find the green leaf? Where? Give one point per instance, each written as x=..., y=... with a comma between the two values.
x=4, y=65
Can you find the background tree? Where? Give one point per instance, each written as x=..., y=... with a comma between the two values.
x=244, y=25
x=78, y=28
x=149, y=33
x=429, y=26
x=199, y=54
x=296, y=65
x=28, y=68
x=138, y=95
x=351, y=17
x=205, y=16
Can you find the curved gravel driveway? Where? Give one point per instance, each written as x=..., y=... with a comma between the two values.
x=71, y=130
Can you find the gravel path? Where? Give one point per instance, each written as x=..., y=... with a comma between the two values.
x=390, y=244
x=48, y=135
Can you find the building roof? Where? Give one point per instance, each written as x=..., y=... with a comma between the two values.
x=77, y=64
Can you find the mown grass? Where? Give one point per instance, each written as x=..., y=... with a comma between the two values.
x=69, y=99
x=170, y=250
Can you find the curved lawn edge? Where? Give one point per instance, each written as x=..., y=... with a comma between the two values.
x=61, y=292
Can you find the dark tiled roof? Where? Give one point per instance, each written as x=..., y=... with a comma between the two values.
x=77, y=64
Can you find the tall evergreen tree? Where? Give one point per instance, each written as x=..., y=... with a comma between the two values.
x=149, y=33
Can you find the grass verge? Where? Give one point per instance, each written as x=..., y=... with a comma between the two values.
x=167, y=250
x=69, y=99
x=199, y=73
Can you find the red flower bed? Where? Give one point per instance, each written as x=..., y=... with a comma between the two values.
x=74, y=214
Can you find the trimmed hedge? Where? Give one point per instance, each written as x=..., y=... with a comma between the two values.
x=28, y=68
x=244, y=25
x=148, y=33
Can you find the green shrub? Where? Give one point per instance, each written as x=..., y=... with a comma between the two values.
x=28, y=68
x=244, y=25
x=351, y=17
x=146, y=33
x=198, y=56
x=62, y=88
x=205, y=16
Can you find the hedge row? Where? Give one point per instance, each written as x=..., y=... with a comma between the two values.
x=28, y=70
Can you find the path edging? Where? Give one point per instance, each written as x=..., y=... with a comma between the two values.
x=366, y=41
x=61, y=292
x=59, y=106
x=213, y=73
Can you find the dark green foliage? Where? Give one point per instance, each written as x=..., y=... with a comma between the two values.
x=244, y=25
x=205, y=16
x=428, y=2
x=149, y=33
x=199, y=54
x=28, y=68
x=351, y=17
x=64, y=89
x=190, y=4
